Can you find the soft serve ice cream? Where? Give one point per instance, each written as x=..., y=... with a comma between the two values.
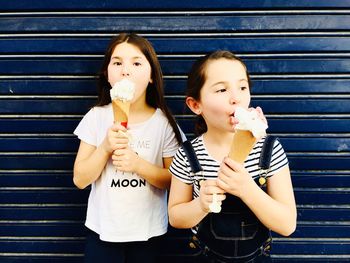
x=123, y=90
x=250, y=121
x=122, y=94
x=249, y=129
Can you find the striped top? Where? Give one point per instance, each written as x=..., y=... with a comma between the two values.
x=181, y=169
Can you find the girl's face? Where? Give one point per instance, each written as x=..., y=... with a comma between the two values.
x=226, y=87
x=127, y=61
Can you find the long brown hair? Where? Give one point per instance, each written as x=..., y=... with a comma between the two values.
x=154, y=91
x=197, y=77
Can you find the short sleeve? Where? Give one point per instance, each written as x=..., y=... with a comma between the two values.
x=171, y=144
x=86, y=129
x=180, y=167
x=278, y=159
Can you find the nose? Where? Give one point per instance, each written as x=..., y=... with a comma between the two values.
x=234, y=97
x=125, y=70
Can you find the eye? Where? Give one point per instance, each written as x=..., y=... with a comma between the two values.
x=244, y=88
x=137, y=64
x=117, y=63
x=221, y=90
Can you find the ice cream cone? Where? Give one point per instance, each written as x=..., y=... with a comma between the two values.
x=121, y=111
x=242, y=144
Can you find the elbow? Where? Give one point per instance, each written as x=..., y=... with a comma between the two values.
x=174, y=223
x=288, y=230
x=172, y=220
x=78, y=182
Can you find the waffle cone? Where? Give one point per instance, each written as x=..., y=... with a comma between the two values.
x=242, y=144
x=121, y=110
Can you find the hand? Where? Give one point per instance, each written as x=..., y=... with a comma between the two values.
x=207, y=189
x=115, y=138
x=234, y=178
x=260, y=114
x=125, y=159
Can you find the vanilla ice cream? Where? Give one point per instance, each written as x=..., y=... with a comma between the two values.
x=123, y=90
x=250, y=121
x=249, y=129
x=121, y=95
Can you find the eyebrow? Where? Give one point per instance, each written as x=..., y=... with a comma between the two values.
x=223, y=82
x=131, y=58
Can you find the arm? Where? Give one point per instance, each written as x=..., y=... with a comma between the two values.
x=155, y=175
x=186, y=212
x=127, y=160
x=91, y=160
x=275, y=209
x=89, y=164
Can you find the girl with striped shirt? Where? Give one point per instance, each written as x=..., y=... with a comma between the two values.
x=217, y=84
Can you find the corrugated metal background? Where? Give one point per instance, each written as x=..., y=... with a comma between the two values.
x=298, y=53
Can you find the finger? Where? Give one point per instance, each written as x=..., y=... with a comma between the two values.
x=233, y=165
x=210, y=182
x=120, y=152
x=122, y=135
x=214, y=190
x=259, y=110
x=122, y=141
x=223, y=185
x=118, y=127
x=220, y=197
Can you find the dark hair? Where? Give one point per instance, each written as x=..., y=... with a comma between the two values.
x=197, y=78
x=154, y=91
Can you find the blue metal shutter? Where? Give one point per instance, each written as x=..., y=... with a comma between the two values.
x=296, y=51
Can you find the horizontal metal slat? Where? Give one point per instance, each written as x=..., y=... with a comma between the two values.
x=44, y=196
x=71, y=144
x=182, y=23
x=44, y=126
x=85, y=87
x=181, y=45
x=57, y=246
x=50, y=195
x=269, y=105
x=65, y=162
x=168, y=5
x=174, y=66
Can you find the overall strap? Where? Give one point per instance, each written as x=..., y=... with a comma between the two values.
x=264, y=160
x=266, y=152
x=192, y=157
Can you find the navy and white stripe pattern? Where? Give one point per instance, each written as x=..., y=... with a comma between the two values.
x=181, y=169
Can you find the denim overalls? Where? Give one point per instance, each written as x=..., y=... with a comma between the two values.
x=235, y=234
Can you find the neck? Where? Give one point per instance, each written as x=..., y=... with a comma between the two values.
x=140, y=112
x=218, y=144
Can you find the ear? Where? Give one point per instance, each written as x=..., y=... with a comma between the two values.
x=194, y=105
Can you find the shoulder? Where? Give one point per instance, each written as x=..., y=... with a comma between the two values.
x=102, y=109
x=97, y=111
x=278, y=158
x=160, y=115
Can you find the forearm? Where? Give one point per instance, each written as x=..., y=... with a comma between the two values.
x=88, y=170
x=186, y=215
x=277, y=216
x=155, y=175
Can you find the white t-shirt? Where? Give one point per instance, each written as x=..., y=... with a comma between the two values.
x=123, y=207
